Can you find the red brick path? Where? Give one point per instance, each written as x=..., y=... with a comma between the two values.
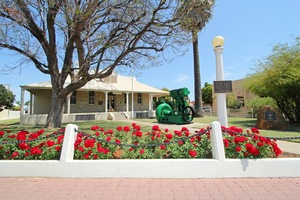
x=154, y=189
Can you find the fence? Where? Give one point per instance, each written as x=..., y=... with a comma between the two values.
x=9, y=114
x=217, y=167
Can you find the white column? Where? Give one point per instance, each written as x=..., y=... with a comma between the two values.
x=22, y=103
x=127, y=102
x=151, y=102
x=106, y=103
x=68, y=106
x=31, y=104
x=221, y=97
x=132, y=100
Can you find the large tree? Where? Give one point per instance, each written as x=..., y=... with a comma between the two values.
x=278, y=76
x=194, y=14
x=101, y=35
x=6, y=98
x=207, y=93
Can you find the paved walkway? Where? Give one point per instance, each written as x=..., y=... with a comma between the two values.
x=154, y=189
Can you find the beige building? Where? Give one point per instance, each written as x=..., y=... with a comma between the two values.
x=240, y=93
x=114, y=97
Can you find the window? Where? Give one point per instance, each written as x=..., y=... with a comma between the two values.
x=139, y=98
x=91, y=97
x=73, y=98
x=242, y=100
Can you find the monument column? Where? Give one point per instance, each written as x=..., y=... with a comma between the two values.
x=218, y=43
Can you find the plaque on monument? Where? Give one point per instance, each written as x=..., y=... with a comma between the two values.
x=270, y=118
x=270, y=115
x=222, y=86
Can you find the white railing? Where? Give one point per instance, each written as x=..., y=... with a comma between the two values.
x=217, y=167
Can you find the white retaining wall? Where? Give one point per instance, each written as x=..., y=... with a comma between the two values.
x=9, y=114
x=218, y=167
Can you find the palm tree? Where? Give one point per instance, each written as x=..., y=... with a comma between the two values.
x=193, y=15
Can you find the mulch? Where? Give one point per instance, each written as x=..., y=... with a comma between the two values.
x=288, y=155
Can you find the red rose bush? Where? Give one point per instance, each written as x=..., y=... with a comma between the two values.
x=132, y=143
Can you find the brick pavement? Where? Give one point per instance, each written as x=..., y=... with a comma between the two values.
x=154, y=189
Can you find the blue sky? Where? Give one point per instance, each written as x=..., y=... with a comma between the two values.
x=250, y=29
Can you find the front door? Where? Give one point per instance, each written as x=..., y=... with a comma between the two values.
x=111, y=103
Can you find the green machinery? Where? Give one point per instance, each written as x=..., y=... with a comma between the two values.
x=178, y=111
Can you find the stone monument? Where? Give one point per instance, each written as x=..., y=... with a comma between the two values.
x=269, y=118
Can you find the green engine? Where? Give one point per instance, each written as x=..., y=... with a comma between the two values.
x=178, y=111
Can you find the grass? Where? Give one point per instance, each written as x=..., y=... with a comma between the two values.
x=245, y=123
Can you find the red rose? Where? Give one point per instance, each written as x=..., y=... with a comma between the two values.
x=155, y=128
x=192, y=140
x=184, y=129
x=24, y=146
x=142, y=151
x=118, y=141
x=35, y=151
x=86, y=156
x=57, y=148
x=106, y=151
x=139, y=133
x=89, y=143
x=126, y=128
x=94, y=128
x=108, y=139
x=14, y=154
x=119, y=128
x=193, y=153
x=238, y=148
x=33, y=136
x=50, y=143
x=1, y=133
x=131, y=149
x=169, y=136
x=178, y=133
x=163, y=147
x=226, y=142
x=187, y=133
x=260, y=144
x=21, y=135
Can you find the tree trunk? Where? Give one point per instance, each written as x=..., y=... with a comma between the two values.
x=197, y=79
x=56, y=109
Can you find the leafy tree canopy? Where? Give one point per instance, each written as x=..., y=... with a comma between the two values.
x=207, y=93
x=6, y=98
x=278, y=76
x=88, y=39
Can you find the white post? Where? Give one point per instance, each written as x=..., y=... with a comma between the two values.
x=22, y=103
x=217, y=143
x=67, y=151
x=132, y=106
x=221, y=97
x=127, y=102
x=150, y=102
x=31, y=106
x=106, y=103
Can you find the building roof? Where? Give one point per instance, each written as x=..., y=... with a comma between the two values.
x=121, y=84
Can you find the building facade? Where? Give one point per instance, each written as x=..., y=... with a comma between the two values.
x=114, y=97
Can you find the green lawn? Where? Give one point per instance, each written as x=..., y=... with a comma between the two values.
x=245, y=123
